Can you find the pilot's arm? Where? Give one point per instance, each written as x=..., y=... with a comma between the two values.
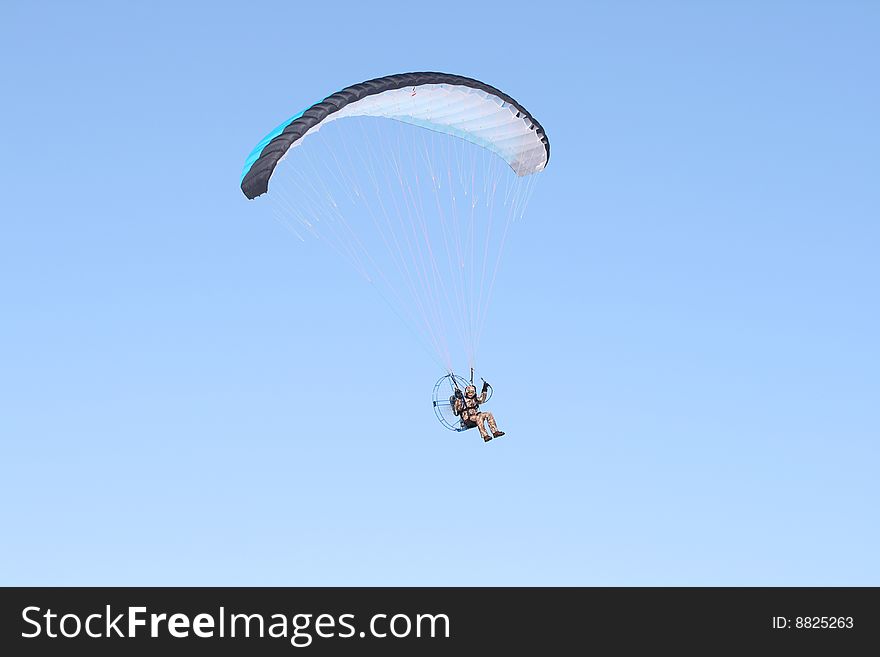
x=482, y=398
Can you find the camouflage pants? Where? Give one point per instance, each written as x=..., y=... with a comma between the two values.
x=484, y=418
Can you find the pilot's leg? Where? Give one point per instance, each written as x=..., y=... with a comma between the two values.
x=491, y=419
x=492, y=426
x=480, y=419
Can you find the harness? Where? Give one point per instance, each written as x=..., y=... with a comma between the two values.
x=471, y=408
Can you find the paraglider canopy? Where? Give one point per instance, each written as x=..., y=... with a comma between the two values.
x=452, y=104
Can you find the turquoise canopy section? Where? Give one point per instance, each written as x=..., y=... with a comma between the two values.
x=255, y=154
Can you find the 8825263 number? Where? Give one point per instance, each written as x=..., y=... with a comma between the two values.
x=823, y=622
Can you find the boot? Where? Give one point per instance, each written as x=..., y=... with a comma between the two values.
x=497, y=434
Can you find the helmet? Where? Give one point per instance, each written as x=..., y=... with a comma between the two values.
x=470, y=391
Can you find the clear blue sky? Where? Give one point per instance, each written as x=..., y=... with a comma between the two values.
x=684, y=339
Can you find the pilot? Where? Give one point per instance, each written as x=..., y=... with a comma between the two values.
x=467, y=407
